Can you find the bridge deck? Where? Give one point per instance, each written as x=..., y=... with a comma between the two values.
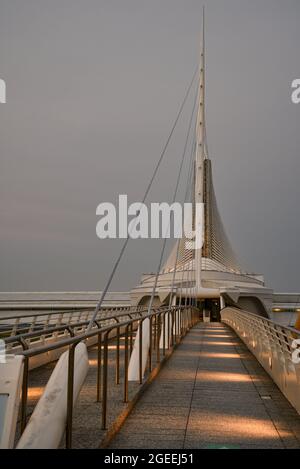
x=211, y=393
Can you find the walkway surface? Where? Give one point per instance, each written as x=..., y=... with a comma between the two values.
x=87, y=431
x=212, y=393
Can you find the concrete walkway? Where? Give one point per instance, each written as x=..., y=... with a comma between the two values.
x=212, y=393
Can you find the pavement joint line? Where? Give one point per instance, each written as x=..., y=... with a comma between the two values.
x=117, y=424
x=194, y=386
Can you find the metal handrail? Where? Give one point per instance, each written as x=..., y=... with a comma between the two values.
x=180, y=323
x=50, y=330
x=68, y=311
x=60, y=318
x=87, y=335
x=275, y=346
x=262, y=318
x=46, y=313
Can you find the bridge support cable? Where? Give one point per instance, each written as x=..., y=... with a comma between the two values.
x=181, y=244
x=172, y=299
x=158, y=271
x=189, y=196
x=184, y=264
x=117, y=262
x=134, y=365
x=189, y=175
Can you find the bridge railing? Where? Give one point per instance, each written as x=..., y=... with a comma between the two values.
x=29, y=321
x=46, y=334
x=181, y=319
x=276, y=347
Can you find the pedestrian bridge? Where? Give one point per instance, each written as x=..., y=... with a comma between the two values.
x=234, y=384
x=153, y=373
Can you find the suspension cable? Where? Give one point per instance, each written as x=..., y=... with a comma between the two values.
x=187, y=196
x=173, y=200
x=117, y=262
x=187, y=185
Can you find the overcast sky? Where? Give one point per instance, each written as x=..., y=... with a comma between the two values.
x=93, y=87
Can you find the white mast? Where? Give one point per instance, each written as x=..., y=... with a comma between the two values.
x=200, y=155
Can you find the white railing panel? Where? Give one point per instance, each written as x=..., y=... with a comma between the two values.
x=277, y=348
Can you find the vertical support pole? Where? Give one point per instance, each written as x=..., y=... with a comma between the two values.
x=104, y=388
x=154, y=328
x=150, y=343
x=141, y=352
x=180, y=321
x=158, y=339
x=99, y=360
x=24, y=395
x=70, y=398
x=164, y=333
x=126, y=365
x=131, y=337
x=168, y=331
x=118, y=357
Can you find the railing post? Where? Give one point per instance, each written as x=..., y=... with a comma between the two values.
x=131, y=337
x=70, y=396
x=104, y=388
x=168, y=325
x=158, y=339
x=99, y=360
x=150, y=343
x=31, y=328
x=155, y=329
x=118, y=357
x=141, y=352
x=15, y=327
x=126, y=365
x=172, y=326
x=24, y=394
x=164, y=333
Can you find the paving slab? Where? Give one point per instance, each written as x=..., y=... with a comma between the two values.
x=210, y=394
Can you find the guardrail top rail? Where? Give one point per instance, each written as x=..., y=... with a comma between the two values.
x=24, y=338
x=22, y=323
